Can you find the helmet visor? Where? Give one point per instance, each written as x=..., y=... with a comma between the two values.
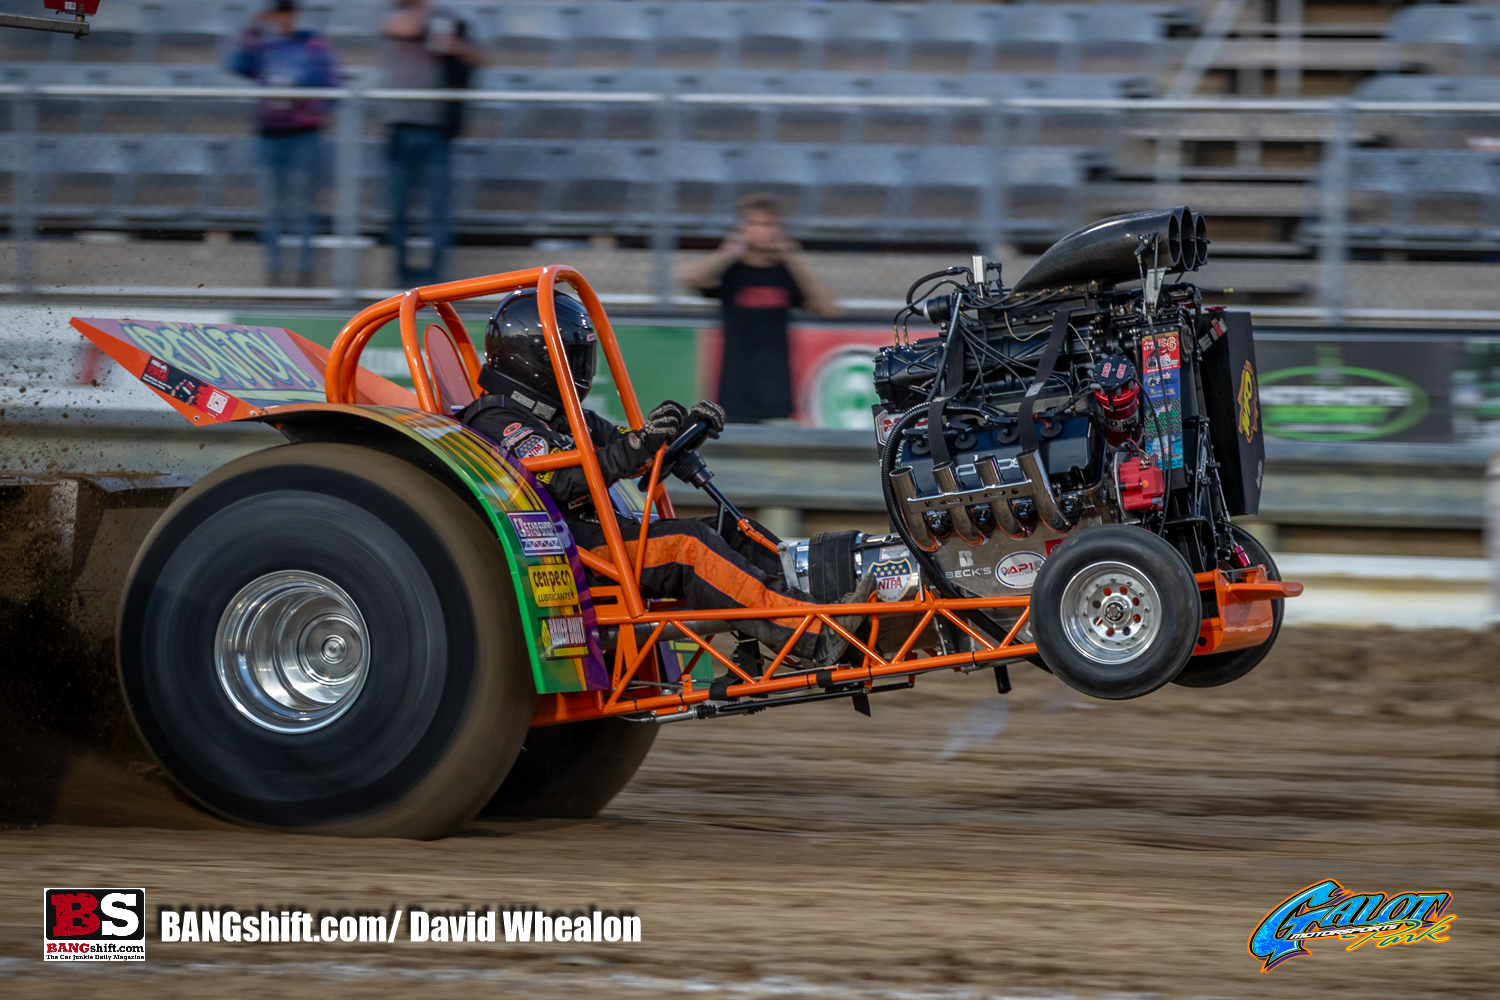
x=583, y=355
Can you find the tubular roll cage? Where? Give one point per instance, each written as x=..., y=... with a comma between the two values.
x=622, y=606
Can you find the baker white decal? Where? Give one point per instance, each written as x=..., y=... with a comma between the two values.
x=1019, y=569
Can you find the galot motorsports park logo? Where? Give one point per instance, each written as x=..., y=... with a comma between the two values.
x=94, y=925
x=1328, y=910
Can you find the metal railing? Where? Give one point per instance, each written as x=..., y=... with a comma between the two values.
x=1325, y=205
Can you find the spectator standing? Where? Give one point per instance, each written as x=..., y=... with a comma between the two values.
x=274, y=53
x=760, y=276
x=425, y=48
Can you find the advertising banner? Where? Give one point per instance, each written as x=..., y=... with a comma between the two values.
x=1316, y=384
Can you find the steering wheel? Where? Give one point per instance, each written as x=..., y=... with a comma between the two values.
x=690, y=438
x=686, y=464
x=684, y=443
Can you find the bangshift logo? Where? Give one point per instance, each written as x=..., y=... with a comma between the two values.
x=94, y=925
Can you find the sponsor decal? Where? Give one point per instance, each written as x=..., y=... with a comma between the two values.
x=1018, y=570
x=965, y=557
x=512, y=428
x=157, y=375
x=552, y=586
x=1327, y=910
x=564, y=638
x=1161, y=359
x=94, y=925
x=514, y=433
x=1247, y=404
x=894, y=577
x=182, y=386
x=537, y=533
x=885, y=421
x=531, y=447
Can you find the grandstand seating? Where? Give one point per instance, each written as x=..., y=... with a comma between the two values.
x=723, y=34
x=1424, y=197
x=853, y=171
x=589, y=165
x=839, y=190
x=1400, y=87
x=1446, y=39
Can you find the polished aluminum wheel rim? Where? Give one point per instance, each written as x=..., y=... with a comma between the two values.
x=292, y=651
x=1111, y=612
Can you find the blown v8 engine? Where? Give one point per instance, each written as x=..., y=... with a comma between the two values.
x=1066, y=401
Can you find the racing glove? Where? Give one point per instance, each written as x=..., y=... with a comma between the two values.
x=663, y=424
x=710, y=413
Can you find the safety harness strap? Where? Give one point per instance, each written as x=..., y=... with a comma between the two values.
x=1060, y=323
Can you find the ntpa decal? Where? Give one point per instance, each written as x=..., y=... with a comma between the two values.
x=1327, y=910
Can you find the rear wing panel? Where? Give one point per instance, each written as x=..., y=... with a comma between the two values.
x=215, y=373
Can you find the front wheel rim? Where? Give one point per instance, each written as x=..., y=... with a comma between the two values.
x=292, y=651
x=1111, y=612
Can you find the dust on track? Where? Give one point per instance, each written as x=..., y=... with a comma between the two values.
x=1089, y=848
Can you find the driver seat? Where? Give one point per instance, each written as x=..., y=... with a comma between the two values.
x=450, y=378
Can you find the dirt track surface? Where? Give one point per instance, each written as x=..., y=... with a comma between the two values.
x=1086, y=849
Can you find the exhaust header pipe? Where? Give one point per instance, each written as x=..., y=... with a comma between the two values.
x=1005, y=518
x=905, y=485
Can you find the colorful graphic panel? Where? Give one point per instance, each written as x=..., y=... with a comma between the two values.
x=557, y=612
x=261, y=365
x=1161, y=368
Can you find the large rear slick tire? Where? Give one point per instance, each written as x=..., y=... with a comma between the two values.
x=574, y=770
x=1214, y=669
x=321, y=638
x=1115, y=611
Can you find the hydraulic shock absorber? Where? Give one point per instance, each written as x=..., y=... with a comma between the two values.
x=1119, y=399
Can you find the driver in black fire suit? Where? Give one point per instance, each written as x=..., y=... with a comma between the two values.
x=685, y=558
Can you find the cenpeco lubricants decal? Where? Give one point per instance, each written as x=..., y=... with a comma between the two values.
x=556, y=610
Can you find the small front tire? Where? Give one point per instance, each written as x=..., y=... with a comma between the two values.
x=1116, y=612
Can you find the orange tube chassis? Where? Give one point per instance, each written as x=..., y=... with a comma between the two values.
x=1245, y=615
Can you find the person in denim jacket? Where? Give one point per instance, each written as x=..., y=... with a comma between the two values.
x=274, y=53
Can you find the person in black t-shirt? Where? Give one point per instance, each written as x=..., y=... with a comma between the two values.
x=760, y=276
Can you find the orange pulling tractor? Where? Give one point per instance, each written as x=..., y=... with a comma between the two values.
x=383, y=627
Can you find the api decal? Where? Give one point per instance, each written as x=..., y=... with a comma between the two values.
x=1327, y=910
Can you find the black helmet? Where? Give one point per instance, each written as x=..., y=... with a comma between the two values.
x=515, y=346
